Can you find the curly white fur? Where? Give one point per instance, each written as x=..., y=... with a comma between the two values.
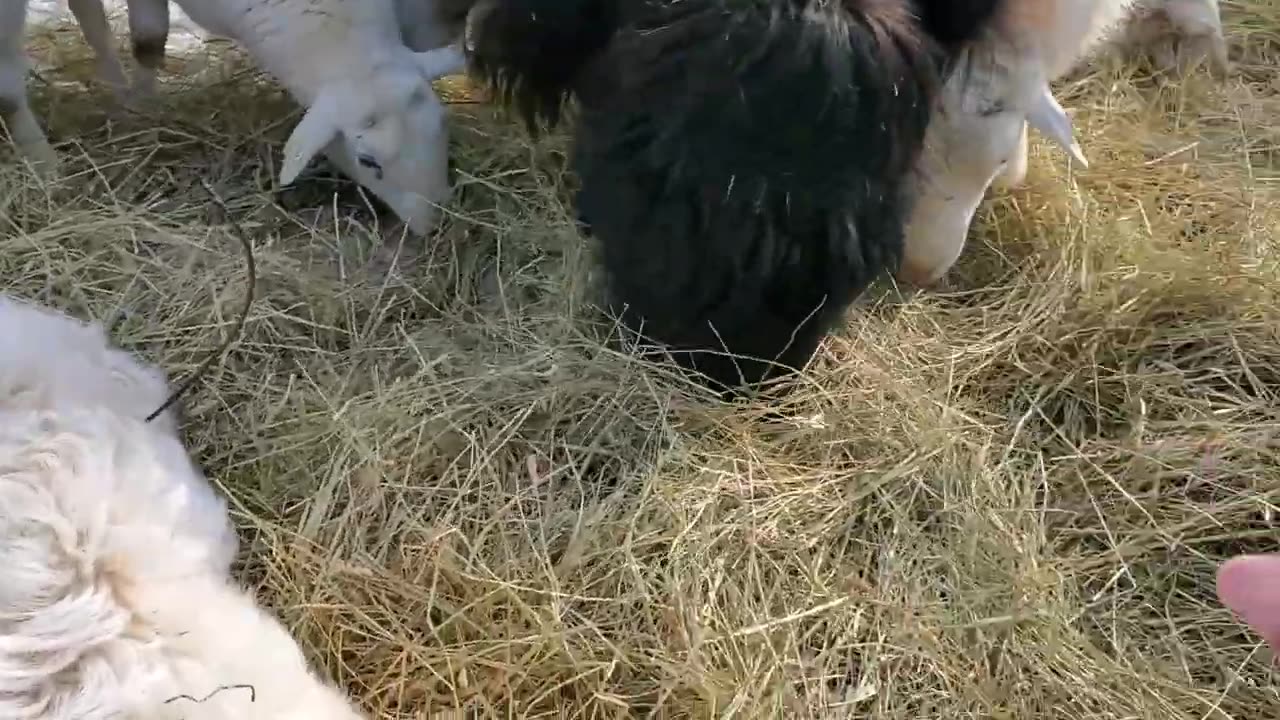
x=115, y=554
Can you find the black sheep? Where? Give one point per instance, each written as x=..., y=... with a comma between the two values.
x=746, y=164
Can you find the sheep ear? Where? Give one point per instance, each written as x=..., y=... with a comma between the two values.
x=1049, y=119
x=317, y=129
x=442, y=61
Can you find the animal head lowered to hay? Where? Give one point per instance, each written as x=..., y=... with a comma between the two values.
x=744, y=165
x=978, y=137
x=387, y=130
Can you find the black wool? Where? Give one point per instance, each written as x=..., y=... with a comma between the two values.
x=745, y=164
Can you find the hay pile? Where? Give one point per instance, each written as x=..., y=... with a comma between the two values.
x=1004, y=501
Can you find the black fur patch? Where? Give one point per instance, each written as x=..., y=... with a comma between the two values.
x=743, y=162
x=531, y=51
x=955, y=23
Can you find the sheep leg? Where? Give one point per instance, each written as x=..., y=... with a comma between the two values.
x=149, y=32
x=15, y=109
x=92, y=19
x=1180, y=34
x=1200, y=23
x=25, y=131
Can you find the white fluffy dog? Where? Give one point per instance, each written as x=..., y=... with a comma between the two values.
x=116, y=601
x=49, y=361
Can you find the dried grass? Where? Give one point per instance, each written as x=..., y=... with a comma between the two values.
x=1003, y=501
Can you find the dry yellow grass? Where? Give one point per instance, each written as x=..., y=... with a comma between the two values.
x=1004, y=501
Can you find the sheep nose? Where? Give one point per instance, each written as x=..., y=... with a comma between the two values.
x=367, y=161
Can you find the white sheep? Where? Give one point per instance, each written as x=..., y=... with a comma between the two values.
x=979, y=138
x=370, y=105
x=115, y=592
x=1177, y=33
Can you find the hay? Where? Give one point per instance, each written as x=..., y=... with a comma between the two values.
x=1003, y=501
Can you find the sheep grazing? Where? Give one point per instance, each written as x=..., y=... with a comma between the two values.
x=115, y=592
x=744, y=164
x=370, y=106
x=1178, y=34
x=979, y=137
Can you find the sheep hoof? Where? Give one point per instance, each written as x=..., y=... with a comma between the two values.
x=132, y=101
x=109, y=72
x=143, y=88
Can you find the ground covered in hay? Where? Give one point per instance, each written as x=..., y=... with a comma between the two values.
x=1005, y=500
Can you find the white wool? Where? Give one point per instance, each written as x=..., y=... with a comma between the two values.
x=114, y=590
x=51, y=360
